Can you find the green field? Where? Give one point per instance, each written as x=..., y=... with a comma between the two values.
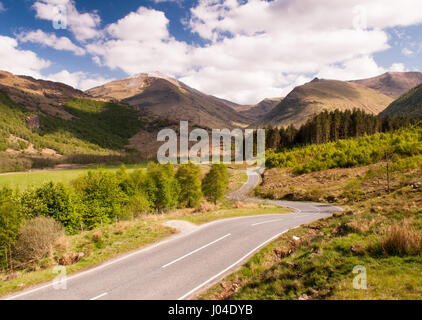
x=23, y=180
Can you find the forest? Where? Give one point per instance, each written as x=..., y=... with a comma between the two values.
x=333, y=126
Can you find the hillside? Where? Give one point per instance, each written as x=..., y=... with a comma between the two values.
x=393, y=84
x=169, y=98
x=43, y=123
x=259, y=110
x=379, y=229
x=39, y=95
x=409, y=104
x=319, y=95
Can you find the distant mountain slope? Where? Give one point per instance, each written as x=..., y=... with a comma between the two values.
x=319, y=95
x=39, y=95
x=257, y=111
x=171, y=99
x=393, y=84
x=409, y=104
x=44, y=122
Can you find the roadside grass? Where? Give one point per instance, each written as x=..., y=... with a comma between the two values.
x=91, y=248
x=23, y=180
x=237, y=180
x=96, y=246
x=378, y=230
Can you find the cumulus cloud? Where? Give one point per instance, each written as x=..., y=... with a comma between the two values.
x=79, y=80
x=140, y=42
x=84, y=26
x=19, y=61
x=2, y=8
x=254, y=49
x=51, y=40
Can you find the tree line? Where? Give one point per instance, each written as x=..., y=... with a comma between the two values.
x=100, y=198
x=333, y=126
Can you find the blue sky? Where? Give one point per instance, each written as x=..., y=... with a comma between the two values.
x=242, y=51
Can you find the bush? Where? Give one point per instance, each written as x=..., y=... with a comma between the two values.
x=11, y=220
x=189, y=178
x=101, y=198
x=215, y=183
x=138, y=204
x=36, y=239
x=350, y=152
x=55, y=201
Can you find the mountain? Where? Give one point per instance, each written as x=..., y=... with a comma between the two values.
x=259, y=110
x=39, y=95
x=43, y=123
x=171, y=99
x=409, y=104
x=393, y=84
x=319, y=95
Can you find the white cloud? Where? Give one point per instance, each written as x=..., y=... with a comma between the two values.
x=79, y=80
x=2, y=8
x=143, y=25
x=398, y=67
x=255, y=49
x=84, y=26
x=140, y=42
x=354, y=69
x=21, y=62
x=407, y=52
x=51, y=40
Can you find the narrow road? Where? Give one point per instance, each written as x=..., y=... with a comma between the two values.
x=183, y=265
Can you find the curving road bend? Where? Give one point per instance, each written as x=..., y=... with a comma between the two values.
x=183, y=265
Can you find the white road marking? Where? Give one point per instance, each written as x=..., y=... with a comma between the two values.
x=233, y=265
x=99, y=296
x=258, y=224
x=130, y=255
x=195, y=251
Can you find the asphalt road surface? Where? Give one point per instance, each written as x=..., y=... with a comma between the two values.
x=183, y=265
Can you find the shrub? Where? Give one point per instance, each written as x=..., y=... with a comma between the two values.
x=138, y=204
x=55, y=201
x=350, y=152
x=133, y=183
x=11, y=220
x=101, y=198
x=36, y=239
x=189, y=178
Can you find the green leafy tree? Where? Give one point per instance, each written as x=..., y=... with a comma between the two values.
x=162, y=187
x=189, y=178
x=101, y=197
x=55, y=201
x=215, y=183
x=11, y=220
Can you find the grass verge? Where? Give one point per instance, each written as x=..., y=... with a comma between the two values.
x=379, y=230
x=91, y=248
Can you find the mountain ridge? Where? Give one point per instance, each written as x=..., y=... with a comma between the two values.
x=170, y=98
x=319, y=95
